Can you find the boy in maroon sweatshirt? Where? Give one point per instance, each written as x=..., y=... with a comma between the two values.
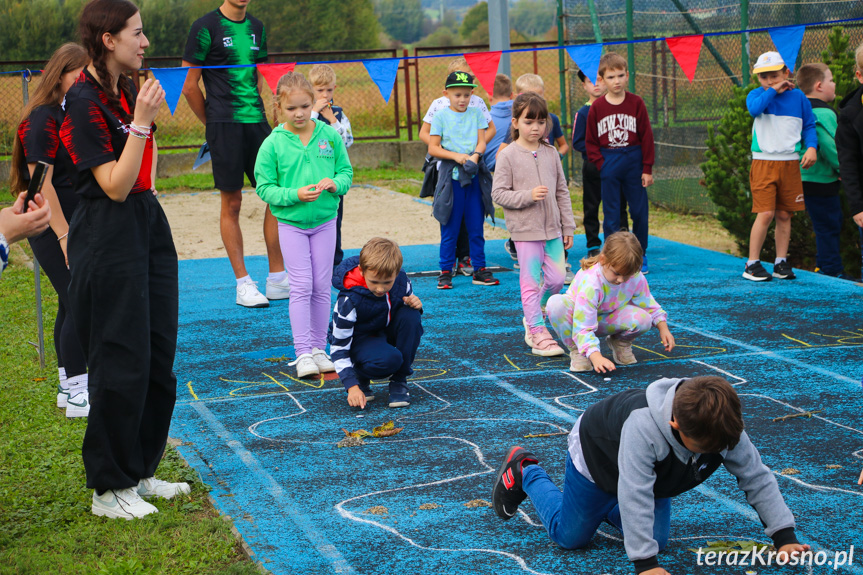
x=619, y=142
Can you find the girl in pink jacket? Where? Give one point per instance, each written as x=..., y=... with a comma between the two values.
x=530, y=187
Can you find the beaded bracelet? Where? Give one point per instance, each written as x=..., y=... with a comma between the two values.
x=144, y=129
x=138, y=134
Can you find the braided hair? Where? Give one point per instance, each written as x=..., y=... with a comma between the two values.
x=101, y=17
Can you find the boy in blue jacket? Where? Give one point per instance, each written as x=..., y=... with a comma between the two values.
x=783, y=121
x=376, y=327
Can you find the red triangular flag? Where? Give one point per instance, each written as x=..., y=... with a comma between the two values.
x=484, y=66
x=272, y=73
x=686, y=50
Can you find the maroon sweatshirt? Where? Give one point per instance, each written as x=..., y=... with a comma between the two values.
x=620, y=126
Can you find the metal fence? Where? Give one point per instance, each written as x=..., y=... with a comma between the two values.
x=681, y=111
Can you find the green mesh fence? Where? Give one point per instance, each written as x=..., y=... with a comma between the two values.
x=680, y=111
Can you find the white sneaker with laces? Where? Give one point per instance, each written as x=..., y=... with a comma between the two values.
x=78, y=403
x=121, y=504
x=322, y=360
x=306, y=365
x=279, y=290
x=152, y=487
x=249, y=296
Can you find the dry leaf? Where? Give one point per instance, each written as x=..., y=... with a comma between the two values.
x=790, y=471
x=834, y=467
x=39, y=378
x=388, y=429
x=357, y=433
x=277, y=359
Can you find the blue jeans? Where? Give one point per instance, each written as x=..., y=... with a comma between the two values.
x=572, y=517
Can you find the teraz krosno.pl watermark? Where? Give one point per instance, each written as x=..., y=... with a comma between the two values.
x=763, y=556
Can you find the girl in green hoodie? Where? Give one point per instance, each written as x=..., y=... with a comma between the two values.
x=302, y=168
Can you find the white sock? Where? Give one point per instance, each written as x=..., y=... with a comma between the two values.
x=77, y=384
x=277, y=277
x=61, y=374
x=779, y=261
x=750, y=262
x=242, y=280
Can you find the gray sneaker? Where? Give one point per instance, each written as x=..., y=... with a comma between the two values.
x=121, y=504
x=569, y=275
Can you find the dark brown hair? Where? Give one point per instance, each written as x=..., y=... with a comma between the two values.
x=531, y=104
x=810, y=74
x=67, y=58
x=382, y=256
x=707, y=410
x=622, y=251
x=100, y=17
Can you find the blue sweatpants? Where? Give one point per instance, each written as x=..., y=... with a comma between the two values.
x=826, y=215
x=621, y=177
x=391, y=352
x=467, y=205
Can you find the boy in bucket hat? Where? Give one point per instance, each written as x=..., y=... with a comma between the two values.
x=783, y=123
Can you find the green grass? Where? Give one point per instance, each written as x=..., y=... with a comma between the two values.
x=45, y=520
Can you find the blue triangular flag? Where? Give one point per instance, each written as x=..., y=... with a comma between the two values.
x=172, y=80
x=203, y=156
x=586, y=57
x=787, y=42
x=383, y=73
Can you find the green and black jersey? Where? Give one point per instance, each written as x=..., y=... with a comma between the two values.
x=232, y=93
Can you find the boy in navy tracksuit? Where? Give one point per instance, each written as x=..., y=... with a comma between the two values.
x=591, y=184
x=376, y=327
x=620, y=142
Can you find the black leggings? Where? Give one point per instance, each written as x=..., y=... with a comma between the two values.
x=48, y=253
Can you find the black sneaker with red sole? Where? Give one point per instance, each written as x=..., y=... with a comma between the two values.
x=444, y=280
x=483, y=277
x=507, y=493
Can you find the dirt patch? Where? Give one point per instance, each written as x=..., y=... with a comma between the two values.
x=369, y=212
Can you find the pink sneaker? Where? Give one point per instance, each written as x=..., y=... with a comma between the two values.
x=541, y=343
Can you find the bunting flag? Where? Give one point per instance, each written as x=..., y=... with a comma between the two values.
x=586, y=57
x=272, y=73
x=172, y=80
x=787, y=42
x=484, y=66
x=686, y=50
x=383, y=73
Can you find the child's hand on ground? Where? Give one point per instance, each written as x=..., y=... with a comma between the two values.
x=356, y=397
x=308, y=193
x=601, y=364
x=567, y=242
x=791, y=550
x=646, y=180
x=326, y=184
x=461, y=158
x=538, y=193
x=665, y=336
x=413, y=301
x=809, y=158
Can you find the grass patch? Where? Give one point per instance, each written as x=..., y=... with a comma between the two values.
x=45, y=520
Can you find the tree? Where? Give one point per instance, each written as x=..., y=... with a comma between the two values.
x=319, y=25
x=402, y=19
x=532, y=18
x=476, y=15
x=166, y=25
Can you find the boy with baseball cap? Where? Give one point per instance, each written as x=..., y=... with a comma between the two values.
x=783, y=122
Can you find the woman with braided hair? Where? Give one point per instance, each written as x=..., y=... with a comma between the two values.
x=123, y=294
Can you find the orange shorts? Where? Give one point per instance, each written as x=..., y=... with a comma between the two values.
x=776, y=185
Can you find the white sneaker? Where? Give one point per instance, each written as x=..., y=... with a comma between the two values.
x=121, y=504
x=306, y=365
x=62, y=397
x=279, y=290
x=152, y=487
x=78, y=403
x=322, y=360
x=249, y=296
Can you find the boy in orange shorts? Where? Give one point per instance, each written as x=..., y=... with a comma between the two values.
x=783, y=123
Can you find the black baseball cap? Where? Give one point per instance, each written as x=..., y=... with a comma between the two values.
x=459, y=80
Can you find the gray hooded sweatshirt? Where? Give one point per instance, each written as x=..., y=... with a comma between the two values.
x=631, y=451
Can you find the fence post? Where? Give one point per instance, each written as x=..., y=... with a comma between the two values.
x=630, y=47
x=40, y=345
x=406, y=65
x=744, y=42
x=562, y=64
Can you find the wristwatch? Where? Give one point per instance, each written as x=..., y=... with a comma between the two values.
x=4, y=252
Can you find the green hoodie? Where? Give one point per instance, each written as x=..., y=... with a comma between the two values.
x=826, y=169
x=284, y=165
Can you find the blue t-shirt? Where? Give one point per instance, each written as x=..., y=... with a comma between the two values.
x=458, y=130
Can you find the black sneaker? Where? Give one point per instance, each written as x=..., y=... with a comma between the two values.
x=756, y=273
x=507, y=493
x=509, y=246
x=483, y=277
x=464, y=266
x=592, y=252
x=399, y=394
x=444, y=280
x=783, y=271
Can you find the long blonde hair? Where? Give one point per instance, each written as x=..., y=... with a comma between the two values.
x=67, y=58
x=622, y=251
x=294, y=82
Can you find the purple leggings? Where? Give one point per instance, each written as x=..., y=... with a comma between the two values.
x=309, y=262
x=542, y=272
